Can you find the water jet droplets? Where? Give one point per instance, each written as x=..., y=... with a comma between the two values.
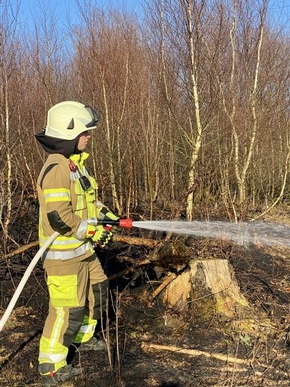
x=242, y=233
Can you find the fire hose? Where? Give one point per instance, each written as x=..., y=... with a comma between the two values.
x=125, y=223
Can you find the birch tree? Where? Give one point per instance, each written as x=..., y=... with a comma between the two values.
x=111, y=77
x=240, y=90
x=8, y=22
x=182, y=25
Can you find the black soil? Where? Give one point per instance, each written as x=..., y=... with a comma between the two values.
x=147, y=343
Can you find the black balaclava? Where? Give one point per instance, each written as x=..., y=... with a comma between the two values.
x=57, y=145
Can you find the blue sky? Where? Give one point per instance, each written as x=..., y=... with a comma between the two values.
x=64, y=9
x=63, y=5
x=68, y=8
x=280, y=12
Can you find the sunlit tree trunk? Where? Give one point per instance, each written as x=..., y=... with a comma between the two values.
x=109, y=149
x=7, y=33
x=8, y=165
x=243, y=154
x=195, y=92
x=192, y=128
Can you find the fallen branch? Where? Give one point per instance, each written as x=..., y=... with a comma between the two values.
x=117, y=238
x=169, y=278
x=145, y=262
x=218, y=356
x=195, y=352
x=21, y=249
x=136, y=241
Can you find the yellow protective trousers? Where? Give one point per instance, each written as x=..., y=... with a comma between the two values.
x=78, y=293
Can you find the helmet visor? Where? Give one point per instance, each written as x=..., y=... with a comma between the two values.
x=94, y=115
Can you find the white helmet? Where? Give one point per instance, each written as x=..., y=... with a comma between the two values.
x=68, y=119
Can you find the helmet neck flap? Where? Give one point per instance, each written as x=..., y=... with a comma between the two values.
x=57, y=145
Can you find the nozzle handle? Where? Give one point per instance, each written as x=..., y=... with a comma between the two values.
x=125, y=223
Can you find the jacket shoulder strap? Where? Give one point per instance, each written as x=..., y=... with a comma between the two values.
x=49, y=168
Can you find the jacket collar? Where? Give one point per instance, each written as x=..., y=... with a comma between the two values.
x=79, y=159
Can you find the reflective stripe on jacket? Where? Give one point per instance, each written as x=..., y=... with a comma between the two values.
x=64, y=207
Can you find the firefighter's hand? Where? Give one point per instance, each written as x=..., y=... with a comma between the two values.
x=102, y=236
x=106, y=215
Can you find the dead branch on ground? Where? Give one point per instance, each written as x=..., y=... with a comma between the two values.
x=21, y=249
x=194, y=352
x=145, y=262
x=169, y=278
x=117, y=238
x=136, y=241
x=218, y=356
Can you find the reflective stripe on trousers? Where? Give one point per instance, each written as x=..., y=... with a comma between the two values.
x=74, y=305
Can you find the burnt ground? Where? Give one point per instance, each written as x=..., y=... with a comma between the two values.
x=150, y=345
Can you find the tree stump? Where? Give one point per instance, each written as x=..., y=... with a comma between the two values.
x=208, y=287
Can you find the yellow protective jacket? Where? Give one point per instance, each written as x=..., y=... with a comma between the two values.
x=65, y=205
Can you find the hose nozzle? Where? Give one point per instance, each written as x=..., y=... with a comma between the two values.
x=125, y=223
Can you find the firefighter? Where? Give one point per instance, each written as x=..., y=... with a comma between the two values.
x=67, y=195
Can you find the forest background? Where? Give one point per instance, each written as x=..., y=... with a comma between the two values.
x=193, y=97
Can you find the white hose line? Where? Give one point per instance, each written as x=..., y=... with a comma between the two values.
x=24, y=280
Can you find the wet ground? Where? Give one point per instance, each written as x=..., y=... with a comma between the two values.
x=151, y=345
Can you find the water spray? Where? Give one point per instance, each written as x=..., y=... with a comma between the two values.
x=241, y=233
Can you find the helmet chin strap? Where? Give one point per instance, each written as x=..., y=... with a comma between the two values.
x=76, y=150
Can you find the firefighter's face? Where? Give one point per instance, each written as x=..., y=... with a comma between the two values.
x=83, y=140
